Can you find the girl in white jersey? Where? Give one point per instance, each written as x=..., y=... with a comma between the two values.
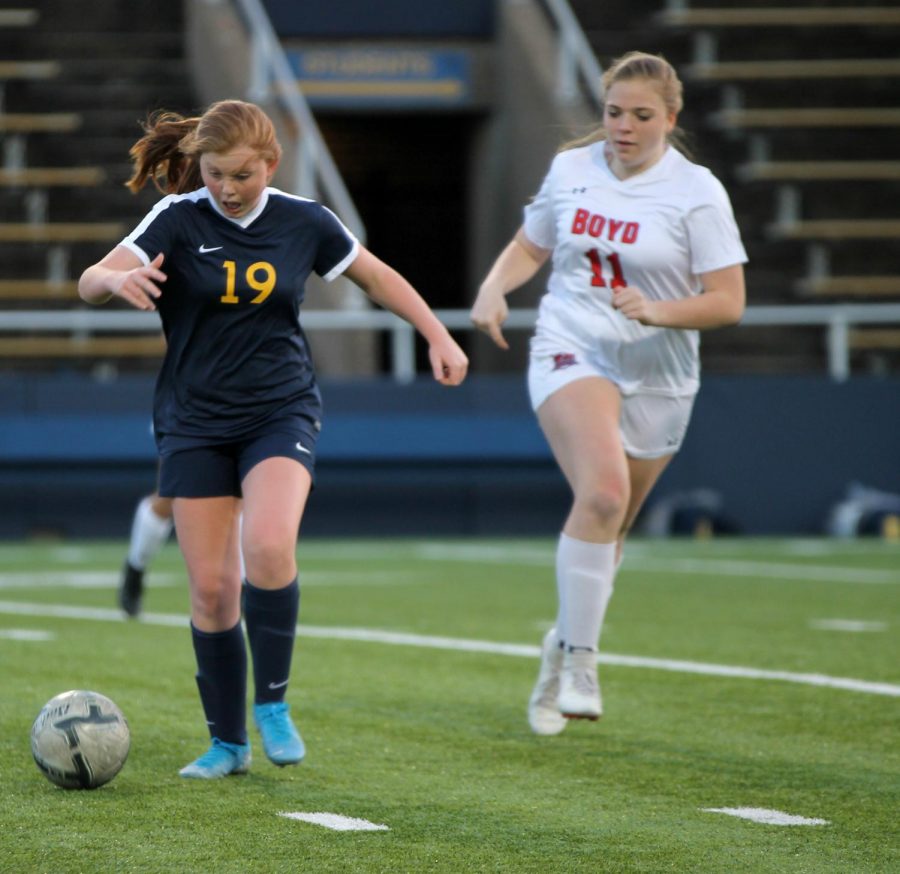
x=645, y=253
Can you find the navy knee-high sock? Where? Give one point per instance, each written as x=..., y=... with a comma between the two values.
x=222, y=681
x=271, y=619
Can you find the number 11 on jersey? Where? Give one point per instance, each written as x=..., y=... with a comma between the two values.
x=597, y=279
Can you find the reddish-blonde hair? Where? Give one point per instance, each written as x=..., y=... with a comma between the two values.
x=168, y=154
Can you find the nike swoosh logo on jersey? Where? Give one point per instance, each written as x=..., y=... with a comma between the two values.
x=204, y=249
x=302, y=448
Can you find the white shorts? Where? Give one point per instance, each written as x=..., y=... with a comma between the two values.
x=651, y=425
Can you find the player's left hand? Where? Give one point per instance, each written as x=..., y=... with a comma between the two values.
x=634, y=305
x=449, y=363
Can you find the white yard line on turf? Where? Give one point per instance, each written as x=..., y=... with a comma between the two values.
x=670, y=565
x=393, y=638
x=769, y=570
x=74, y=580
x=110, y=580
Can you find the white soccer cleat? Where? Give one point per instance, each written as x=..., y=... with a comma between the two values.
x=579, y=691
x=543, y=711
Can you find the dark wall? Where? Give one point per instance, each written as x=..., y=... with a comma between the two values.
x=424, y=460
x=386, y=18
x=782, y=450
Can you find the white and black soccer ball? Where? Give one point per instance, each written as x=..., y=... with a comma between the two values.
x=80, y=740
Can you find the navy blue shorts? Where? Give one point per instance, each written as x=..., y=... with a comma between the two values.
x=212, y=470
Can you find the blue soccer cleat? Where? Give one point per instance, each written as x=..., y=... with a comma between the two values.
x=220, y=760
x=281, y=740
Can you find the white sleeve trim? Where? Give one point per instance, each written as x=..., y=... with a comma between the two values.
x=344, y=263
x=133, y=247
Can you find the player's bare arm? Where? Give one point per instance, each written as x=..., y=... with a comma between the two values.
x=122, y=274
x=721, y=304
x=515, y=265
x=386, y=287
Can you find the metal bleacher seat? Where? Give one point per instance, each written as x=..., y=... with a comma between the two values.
x=45, y=177
x=793, y=171
x=817, y=117
x=795, y=16
x=73, y=346
x=830, y=68
x=61, y=232
x=839, y=286
x=39, y=122
x=29, y=70
x=38, y=289
x=18, y=17
x=836, y=229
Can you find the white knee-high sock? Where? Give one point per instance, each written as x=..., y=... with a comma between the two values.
x=585, y=573
x=148, y=534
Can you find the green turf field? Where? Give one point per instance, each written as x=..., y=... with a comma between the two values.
x=735, y=674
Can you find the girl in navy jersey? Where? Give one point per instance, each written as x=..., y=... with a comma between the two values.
x=645, y=253
x=224, y=258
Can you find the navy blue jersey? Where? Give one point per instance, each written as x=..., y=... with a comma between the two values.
x=236, y=354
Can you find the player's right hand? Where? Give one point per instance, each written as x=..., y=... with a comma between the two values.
x=139, y=285
x=488, y=314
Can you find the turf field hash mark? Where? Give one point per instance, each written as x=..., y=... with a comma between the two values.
x=851, y=625
x=26, y=634
x=337, y=822
x=765, y=816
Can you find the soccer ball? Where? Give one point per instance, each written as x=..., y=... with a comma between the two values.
x=80, y=740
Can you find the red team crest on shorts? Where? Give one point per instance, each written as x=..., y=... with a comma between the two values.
x=562, y=360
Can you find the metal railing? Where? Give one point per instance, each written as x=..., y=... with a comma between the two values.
x=578, y=71
x=272, y=78
x=836, y=319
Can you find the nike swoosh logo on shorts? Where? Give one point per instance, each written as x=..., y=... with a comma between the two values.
x=204, y=249
x=301, y=448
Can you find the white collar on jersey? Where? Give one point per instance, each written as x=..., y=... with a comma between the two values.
x=245, y=220
x=600, y=153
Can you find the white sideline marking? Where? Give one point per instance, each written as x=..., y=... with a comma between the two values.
x=771, y=570
x=110, y=580
x=73, y=580
x=459, y=644
x=25, y=634
x=337, y=822
x=716, y=567
x=763, y=815
x=853, y=625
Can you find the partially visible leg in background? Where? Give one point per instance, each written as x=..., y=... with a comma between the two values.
x=150, y=529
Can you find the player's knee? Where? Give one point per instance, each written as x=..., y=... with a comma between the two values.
x=269, y=562
x=604, y=504
x=213, y=600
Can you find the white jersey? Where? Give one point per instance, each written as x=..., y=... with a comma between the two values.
x=658, y=231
